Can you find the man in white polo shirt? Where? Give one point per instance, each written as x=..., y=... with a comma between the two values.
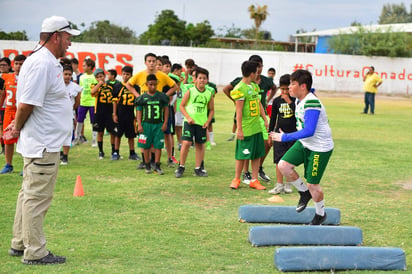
x=43, y=125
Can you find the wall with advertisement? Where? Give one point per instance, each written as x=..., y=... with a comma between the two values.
x=331, y=72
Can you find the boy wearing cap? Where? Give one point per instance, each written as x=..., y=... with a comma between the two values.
x=103, y=111
x=42, y=100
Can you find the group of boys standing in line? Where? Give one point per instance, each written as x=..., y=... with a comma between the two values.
x=168, y=100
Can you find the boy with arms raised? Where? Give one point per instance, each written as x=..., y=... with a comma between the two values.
x=313, y=146
x=152, y=115
x=197, y=107
x=249, y=144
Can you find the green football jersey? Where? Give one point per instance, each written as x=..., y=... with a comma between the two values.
x=251, y=108
x=196, y=107
x=152, y=107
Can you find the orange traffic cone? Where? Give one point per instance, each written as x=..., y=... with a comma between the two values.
x=78, y=188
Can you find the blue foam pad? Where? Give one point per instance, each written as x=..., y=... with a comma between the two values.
x=305, y=235
x=284, y=214
x=339, y=258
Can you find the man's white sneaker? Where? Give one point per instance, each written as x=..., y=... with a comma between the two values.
x=288, y=188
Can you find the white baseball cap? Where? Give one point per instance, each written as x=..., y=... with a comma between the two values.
x=58, y=24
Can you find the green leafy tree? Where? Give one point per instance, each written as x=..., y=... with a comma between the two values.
x=199, y=33
x=167, y=27
x=395, y=13
x=17, y=35
x=106, y=32
x=378, y=43
x=261, y=35
x=230, y=32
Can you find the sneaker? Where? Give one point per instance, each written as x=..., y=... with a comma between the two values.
x=263, y=176
x=199, y=172
x=76, y=141
x=235, y=184
x=141, y=166
x=171, y=163
x=179, y=171
x=256, y=185
x=82, y=140
x=61, y=155
x=16, y=253
x=48, y=259
x=232, y=138
x=213, y=143
x=278, y=189
x=64, y=162
x=94, y=143
x=208, y=146
x=303, y=201
x=318, y=220
x=134, y=157
x=247, y=177
x=158, y=170
x=115, y=157
x=288, y=188
x=7, y=169
x=174, y=160
x=101, y=155
x=148, y=168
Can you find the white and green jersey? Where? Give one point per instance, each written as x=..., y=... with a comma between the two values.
x=322, y=140
x=251, y=108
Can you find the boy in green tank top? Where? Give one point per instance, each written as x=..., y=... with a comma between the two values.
x=197, y=107
x=249, y=144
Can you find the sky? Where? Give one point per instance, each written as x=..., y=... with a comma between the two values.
x=284, y=19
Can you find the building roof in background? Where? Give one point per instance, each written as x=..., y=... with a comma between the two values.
x=407, y=27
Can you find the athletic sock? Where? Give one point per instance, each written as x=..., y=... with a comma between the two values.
x=320, y=208
x=113, y=149
x=100, y=145
x=132, y=152
x=211, y=137
x=300, y=185
x=143, y=158
x=153, y=157
x=78, y=132
x=94, y=136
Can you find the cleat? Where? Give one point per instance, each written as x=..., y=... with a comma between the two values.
x=174, y=160
x=199, y=172
x=288, y=188
x=115, y=157
x=235, y=184
x=82, y=140
x=134, y=157
x=256, y=185
x=303, y=201
x=318, y=220
x=179, y=171
x=158, y=170
x=141, y=166
x=7, y=169
x=213, y=143
x=247, y=177
x=231, y=138
x=101, y=155
x=278, y=189
x=15, y=252
x=148, y=168
x=48, y=259
x=263, y=176
x=202, y=166
x=208, y=146
x=171, y=163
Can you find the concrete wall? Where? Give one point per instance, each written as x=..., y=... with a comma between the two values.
x=340, y=73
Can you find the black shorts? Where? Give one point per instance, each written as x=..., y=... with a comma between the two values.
x=279, y=149
x=196, y=131
x=126, y=125
x=103, y=121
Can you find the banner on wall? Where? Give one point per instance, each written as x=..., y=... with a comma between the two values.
x=331, y=72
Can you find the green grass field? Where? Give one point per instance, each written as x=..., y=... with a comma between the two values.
x=130, y=222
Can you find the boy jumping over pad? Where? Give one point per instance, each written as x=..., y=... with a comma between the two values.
x=313, y=147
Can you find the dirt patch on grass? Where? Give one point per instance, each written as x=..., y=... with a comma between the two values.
x=406, y=185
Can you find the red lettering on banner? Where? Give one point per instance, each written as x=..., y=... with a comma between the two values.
x=402, y=75
x=384, y=75
x=356, y=74
x=83, y=56
x=101, y=57
x=410, y=76
x=70, y=55
x=123, y=59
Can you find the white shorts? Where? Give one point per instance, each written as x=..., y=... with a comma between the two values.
x=179, y=119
